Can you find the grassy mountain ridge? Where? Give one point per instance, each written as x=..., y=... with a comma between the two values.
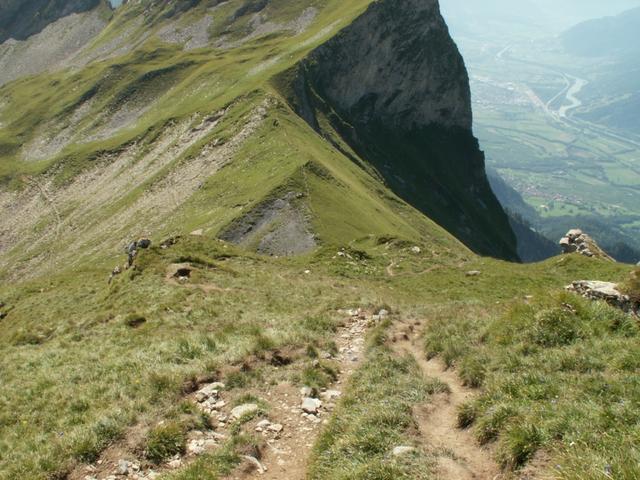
x=429, y=156
x=152, y=111
x=185, y=127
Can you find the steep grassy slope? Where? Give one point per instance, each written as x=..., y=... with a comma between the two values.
x=145, y=130
x=558, y=384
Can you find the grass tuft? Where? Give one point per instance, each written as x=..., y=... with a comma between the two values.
x=165, y=441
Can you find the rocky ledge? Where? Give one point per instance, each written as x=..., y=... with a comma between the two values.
x=603, y=291
x=576, y=241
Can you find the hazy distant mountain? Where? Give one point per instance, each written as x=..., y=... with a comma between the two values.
x=613, y=95
x=609, y=36
x=549, y=15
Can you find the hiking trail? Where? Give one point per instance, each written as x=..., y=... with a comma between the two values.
x=459, y=456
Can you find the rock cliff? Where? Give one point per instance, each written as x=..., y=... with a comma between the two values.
x=394, y=86
x=19, y=19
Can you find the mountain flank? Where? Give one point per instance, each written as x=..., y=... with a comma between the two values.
x=404, y=107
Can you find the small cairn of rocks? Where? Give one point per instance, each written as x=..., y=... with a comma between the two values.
x=576, y=241
x=604, y=291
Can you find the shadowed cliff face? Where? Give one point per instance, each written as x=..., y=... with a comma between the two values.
x=398, y=65
x=394, y=86
x=19, y=19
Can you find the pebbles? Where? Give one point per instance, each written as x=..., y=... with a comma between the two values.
x=265, y=426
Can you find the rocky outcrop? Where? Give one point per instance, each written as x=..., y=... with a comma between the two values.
x=603, y=291
x=51, y=47
x=395, y=65
x=279, y=226
x=19, y=19
x=395, y=88
x=576, y=241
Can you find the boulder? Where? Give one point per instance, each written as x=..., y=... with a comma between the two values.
x=567, y=246
x=311, y=406
x=254, y=463
x=144, y=243
x=126, y=468
x=263, y=425
x=275, y=428
x=474, y=273
x=574, y=233
x=331, y=395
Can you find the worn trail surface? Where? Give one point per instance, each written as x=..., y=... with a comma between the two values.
x=459, y=455
x=287, y=455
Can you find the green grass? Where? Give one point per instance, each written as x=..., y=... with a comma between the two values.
x=632, y=287
x=78, y=345
x=165, y=441
x=82, y=346
x=374, y=417
x=554, y=376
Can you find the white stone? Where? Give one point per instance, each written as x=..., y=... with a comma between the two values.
x=275, y=427
x=261, y=469
x=196, y=447
x=242, y=410
x=402, y=450
x=330, y=395
x=263, y=424
x=311, y=405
